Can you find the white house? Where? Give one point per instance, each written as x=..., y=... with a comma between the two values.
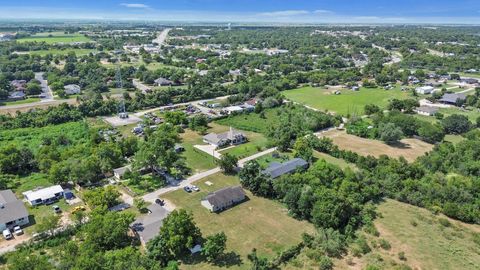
x=44, y=196
x=232, y=137
x=12, y=211
x=72, y=89
x=424, y=90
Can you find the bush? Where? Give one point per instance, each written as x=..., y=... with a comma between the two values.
x=385, y=244
x=444, y=222
x=401, y=256
x=325, y=263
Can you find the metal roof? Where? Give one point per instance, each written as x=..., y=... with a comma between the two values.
x=276, y=169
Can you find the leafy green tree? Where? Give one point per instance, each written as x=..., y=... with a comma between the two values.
x=214, y=246
x=431, y=133
x=302, y=149
x=102, y=197
x=370, y=109
x=140, y=204
x=228, y=163
x=48, y=223
x=258, y=263
x=456, y=124
x=390, y=133
x=27, y=260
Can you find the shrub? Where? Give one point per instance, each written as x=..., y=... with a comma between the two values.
x=401, y=256
x=325, y=263
x=444, y=222
x=385, y=244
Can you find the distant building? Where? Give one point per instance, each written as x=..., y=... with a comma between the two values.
x=12, y=211
x=425, y=110
x=276, y=169
x=469, y=80
x=16, y=95
x=424, y=90
x=44, y=196
x=223, y=198
x=163, y=82
x=231, y=137
x=452, y=99
x=235, y=72
x=72, y=89
x=355, y=88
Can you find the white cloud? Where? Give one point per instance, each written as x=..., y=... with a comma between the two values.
x=284, y=13
x=132, y=5
x=322, y=11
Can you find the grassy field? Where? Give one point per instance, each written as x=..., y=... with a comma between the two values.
x=196, y=160
x=18, y=102
x=410, y=149
x=148, y=184
x=78, y=52
x=453, y=138
x=348, y=102
x=54, y=37
x=335, y=161
x=252, y=121
x=428, y=241
x=256, y=223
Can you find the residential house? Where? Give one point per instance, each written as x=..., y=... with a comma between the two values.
x=19, y=84
x=119, y=172
x=16, y=95
x=424, y=90
x=452, y=99
x=148, y=226
x=231, y=137
x=44, y=196
x=425, y=110
x=163, y=82
x=276, y=169
x=469, y=80
x=223, y=198
x=12, y=211
x=72, y=89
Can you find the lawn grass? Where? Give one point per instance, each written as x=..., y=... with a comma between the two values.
x=148, y=184
x=29, y=182
x=195, y=159
x=472, y=114
x=348, y=102
x=54, y=37
x=256, y=223
x=78, y=52
x=18, y=102
x=251, y=121
x=453, y=138
x=335, y=161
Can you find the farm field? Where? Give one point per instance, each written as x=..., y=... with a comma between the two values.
x=256, y=223
x=78, y=52
x=251, y=122
x=348, y=102
x=18, y=102
x=54, y=37
x=435, y=242
x=410, y=148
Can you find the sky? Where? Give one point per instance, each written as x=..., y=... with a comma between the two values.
x=263, y=11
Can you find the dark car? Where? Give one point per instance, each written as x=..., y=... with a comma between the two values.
x=187, y=189
x=160, y=202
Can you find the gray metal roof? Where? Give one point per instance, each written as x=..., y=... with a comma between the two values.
x=276, y=169
x=430, y=110
x=225, y=195
x=11, y=208
x=452, y=98
x=217, y=137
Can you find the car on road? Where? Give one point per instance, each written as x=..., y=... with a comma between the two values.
x=7, y=234
x=160, y=202
x=17, y=230
x=56, y=209
x=187, y=189
x=195, y=188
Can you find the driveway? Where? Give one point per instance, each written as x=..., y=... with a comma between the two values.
x=45, y=88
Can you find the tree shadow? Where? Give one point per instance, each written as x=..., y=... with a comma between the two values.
x=400, y=145
x=228, y=259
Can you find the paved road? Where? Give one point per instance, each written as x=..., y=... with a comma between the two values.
x=151, y=197
x=195, y=103
x=45, y=88
x=160, y=40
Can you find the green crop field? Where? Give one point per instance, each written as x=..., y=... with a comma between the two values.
x=54, y=37
x=255, y=223
x=252, y=121
x=348, y=102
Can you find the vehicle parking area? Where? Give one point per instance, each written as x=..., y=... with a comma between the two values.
x=116, y=121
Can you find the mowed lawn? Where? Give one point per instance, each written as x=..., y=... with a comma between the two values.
x=195, y=159
x=251, y=121
x=78, y=52
x=256, y=223
x=409, y=148
x=348, y=102
x=54, y=37
x=427, y=243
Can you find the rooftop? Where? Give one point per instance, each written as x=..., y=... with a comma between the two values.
x=276, y=169
x=225, y=195
x=43, y=194
x=10, y=207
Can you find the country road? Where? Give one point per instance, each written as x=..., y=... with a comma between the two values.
x=160, y=40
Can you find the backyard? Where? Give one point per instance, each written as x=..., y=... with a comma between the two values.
x=348, y=102
x=256, y=223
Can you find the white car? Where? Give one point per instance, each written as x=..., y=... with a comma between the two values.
x=17, y=230
x=7, y=234
x=195, y=188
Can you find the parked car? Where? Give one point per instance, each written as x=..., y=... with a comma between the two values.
x=56, y=209
x=78, y=208
x=160, y=202
x=17, y=230
x=7, y=234
x=187, y=189
x=195, y=188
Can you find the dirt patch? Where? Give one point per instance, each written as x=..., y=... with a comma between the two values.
x=410, y=149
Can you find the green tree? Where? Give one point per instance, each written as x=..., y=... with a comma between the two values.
x=228, y=163
x=214, y=246
x=370, y=109
x=48, y=223
x=303, y=149
x=390, y=133
x=102, y=197
x=456, y=124
x=431, y=133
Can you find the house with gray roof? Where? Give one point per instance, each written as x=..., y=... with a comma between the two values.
x=426, y=110
x=223, y=198
x=72, y=89
x=12, y=211
x=148, y=226
x=163, y=82
x=16, y=95
x=452, y=98
x=276, y=169
x=231, y=137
